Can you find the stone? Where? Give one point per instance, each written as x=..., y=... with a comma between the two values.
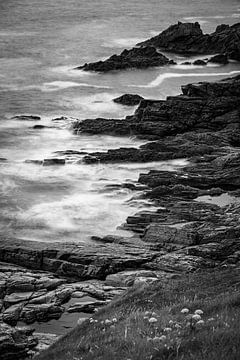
x=200, y=62
x=139, y=58
x=16, y=343
x=27, y=117
x=130, y=278
x=86, y=306
x=219, y=59
x=183, y=234
x=53, y=161
x=188, y=38
x=129, y=99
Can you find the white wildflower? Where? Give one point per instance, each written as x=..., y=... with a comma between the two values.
x=211, y=319
x=156, y=339
x=200, y=323
x=170, y=322
x=167, y=329
x=196, y=317
x=163, y=338
x=147, y=313
x=152, y=320
x=185, y=311
x=114, y=320
x=199, y=312
x=107, y=322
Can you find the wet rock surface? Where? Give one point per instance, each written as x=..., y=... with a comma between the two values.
x=188, y=38
x=128, y=99
x=139, y=58
x=27, y=117
x=183, y=38
x=16, y=343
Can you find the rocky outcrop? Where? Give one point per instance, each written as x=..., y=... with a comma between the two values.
x=203, y=120
x=219, y=59
x=188, y=38
x=128, y=99
x=140, y=58
x=16, y=343
x=27, y=117
x=184, y=38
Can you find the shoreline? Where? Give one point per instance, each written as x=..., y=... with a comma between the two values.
x=182, y=236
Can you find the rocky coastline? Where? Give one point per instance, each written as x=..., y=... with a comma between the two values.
x=181, y=38
x=190, y=230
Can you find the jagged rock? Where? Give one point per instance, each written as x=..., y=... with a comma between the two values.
x=200, y=62
x=36, y=162
x=178, y=261
x=188, y=38
x=86, y=306
x=128, y=99
x=183, y=234
x=42, y=312
x=130, y=278
x=201, y=109
x=53, y=161
x=219, y=59
x=15, y=343
x=139, y=58
x=44, y=341
x=39, y=127
x=75, y=260
x=27, y=117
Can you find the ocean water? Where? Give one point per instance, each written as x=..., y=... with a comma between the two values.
x=41, y=42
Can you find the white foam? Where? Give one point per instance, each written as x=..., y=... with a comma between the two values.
x=101, y=103
x=160, y=78
x=201, y=18
x=72, y=71
x=186, y=67
x=53, y=86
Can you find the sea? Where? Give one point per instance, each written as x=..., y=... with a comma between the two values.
x=41, y=42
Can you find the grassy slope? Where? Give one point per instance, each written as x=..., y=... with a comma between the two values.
x=217, y=293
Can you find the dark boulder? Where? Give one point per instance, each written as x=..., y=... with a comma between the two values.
x=139, y=58
x=200, y=62
x=53, y=161
x=188, y=38
x=219, y=59
x=27, y=117
x=128, y=99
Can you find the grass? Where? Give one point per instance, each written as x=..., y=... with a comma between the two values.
x=122, y=330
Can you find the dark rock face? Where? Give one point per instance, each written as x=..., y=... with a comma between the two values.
x=53, y=161
x=188, y=38
x=200, y=62
x=139, y=58
x=219, y=59
x=15, y=343
x=184, y=38
x=201, y=121
x=27, y=117
x=128, y=99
